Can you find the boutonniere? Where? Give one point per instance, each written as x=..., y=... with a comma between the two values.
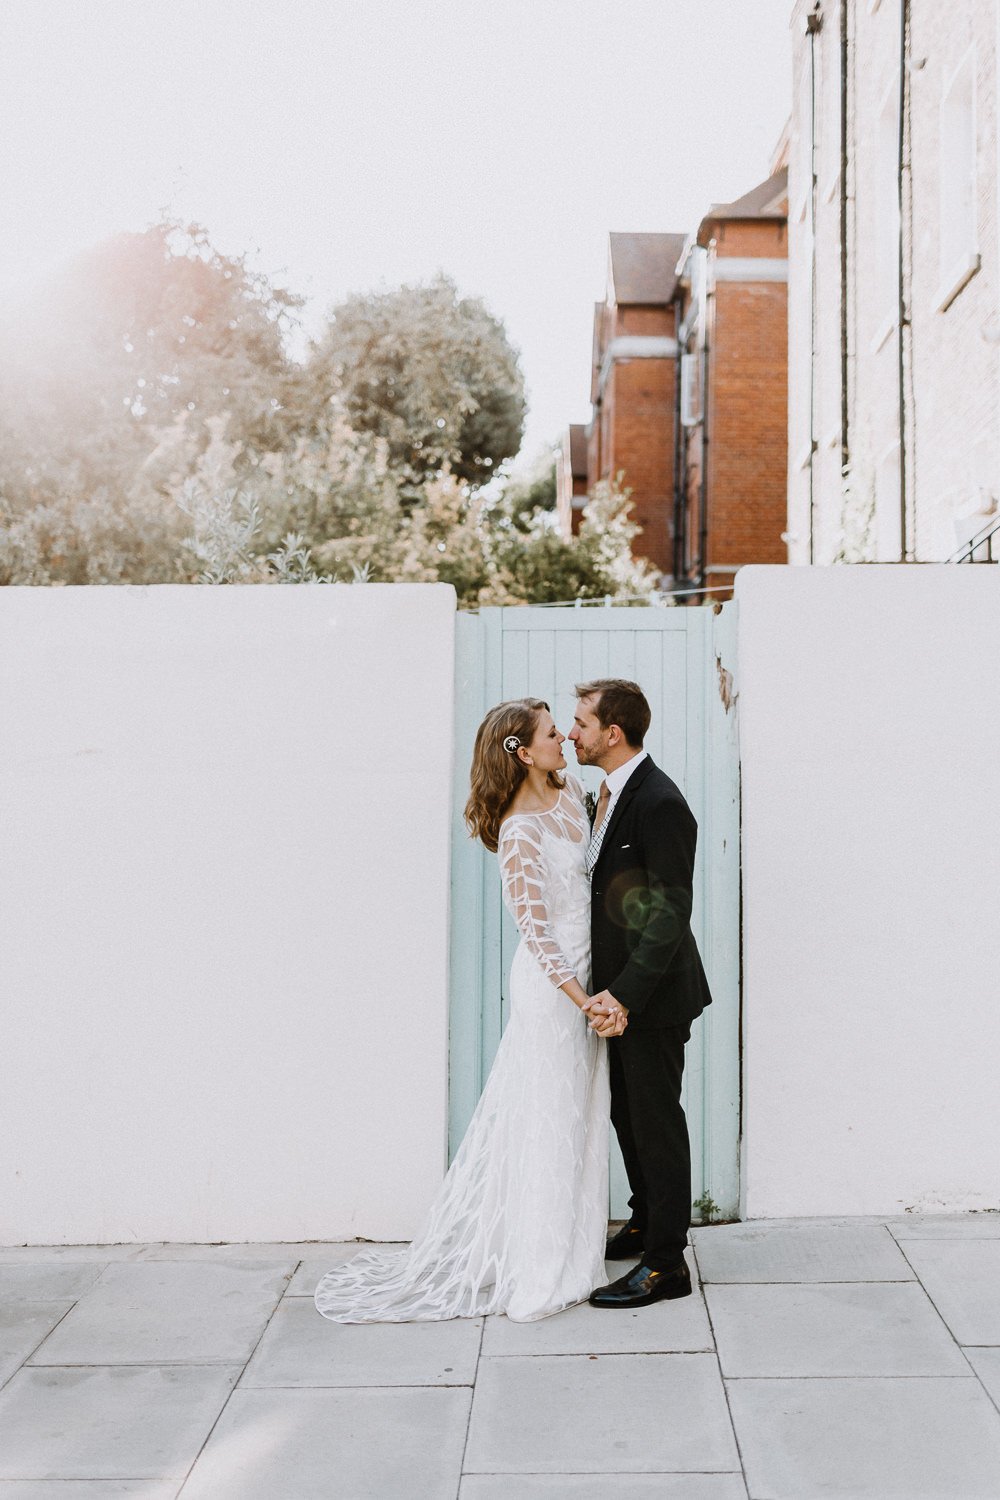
x=590, y=803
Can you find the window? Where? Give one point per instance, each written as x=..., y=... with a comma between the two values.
x=959, y=251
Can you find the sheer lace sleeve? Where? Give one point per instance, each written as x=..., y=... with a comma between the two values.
x=520, y=857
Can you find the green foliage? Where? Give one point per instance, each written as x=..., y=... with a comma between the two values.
x=429, y=371
x=154, y=430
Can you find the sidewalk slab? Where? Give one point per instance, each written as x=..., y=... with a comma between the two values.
x=807, y=1250
x=88, y=1489
x=867, y=1439
x=159, y=1312
x=638, y=1413
x=301, y=1348
x=317, y=1445
x=962, y=1278
x=319, y=1260
x=47, y=1281
x=986, y=1363
x=665, y=1328
x=23, y=1326
x=604, y=1487
x=977, y=1226
x=11, y=1255
x=839, y=1328
x=109, y=1423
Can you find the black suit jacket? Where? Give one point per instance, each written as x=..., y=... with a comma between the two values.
x=643, y=949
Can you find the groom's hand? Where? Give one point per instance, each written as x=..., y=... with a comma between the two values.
x=607, y=1017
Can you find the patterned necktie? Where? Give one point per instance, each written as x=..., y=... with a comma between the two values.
x=597, y=836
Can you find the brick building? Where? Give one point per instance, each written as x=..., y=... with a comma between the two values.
x=732, y=499
x=688, y=391
x=633, y=389
x=571, y=479
x=894, y=412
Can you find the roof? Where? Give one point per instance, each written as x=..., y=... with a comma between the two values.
x=643, y=267
x=768, y=200
x=578, y=449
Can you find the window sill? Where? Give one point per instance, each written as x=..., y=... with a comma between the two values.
x=882, y=337
x=961, y=274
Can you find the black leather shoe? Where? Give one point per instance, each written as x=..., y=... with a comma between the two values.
x=642, y=1286
x=625, y=1245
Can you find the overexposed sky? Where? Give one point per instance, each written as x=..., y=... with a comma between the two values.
x=348, y=144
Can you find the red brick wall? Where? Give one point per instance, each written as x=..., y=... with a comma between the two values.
x=748, y=421
x=634, y=430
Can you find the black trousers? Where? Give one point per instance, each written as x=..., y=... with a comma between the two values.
x=646, y=1072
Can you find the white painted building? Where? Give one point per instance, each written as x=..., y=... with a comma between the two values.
x=894, y=294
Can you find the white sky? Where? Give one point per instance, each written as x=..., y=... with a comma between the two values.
x=352, y=143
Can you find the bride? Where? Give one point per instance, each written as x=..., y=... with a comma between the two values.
x=518, y=1225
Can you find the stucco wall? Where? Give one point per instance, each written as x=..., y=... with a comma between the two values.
x=224, y=876
x=870, y=735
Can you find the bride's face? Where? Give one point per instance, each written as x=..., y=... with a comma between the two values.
x=545, y=749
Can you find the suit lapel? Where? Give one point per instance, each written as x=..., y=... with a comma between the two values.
x=628, y=792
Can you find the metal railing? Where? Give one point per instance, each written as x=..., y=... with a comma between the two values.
x=982, y=542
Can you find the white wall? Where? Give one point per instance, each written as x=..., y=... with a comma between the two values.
x=224, y=889
x=870, y=734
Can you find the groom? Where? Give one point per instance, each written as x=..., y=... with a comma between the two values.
x=648, y=980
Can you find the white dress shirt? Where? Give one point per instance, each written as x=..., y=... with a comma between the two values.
x=615, y=783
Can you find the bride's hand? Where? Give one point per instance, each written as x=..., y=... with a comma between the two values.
x=607, y=1017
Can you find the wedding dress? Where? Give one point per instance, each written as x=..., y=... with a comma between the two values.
x=518, y=1225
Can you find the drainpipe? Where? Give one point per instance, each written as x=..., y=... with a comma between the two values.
x=814, y=25
x=679, y=527
x=706, y=332
x=904, y=28
x=845, y=412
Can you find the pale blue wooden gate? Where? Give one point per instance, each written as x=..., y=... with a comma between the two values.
x=683, y=659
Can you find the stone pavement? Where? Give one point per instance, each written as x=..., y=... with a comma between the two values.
x=836, y=1358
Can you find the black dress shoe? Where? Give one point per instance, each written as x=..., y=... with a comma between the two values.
x=642, y=1286
x=625, y=1245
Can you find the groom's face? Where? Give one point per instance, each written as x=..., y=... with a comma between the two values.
x=589, y=739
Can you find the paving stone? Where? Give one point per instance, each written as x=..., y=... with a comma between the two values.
x=867, y=1439
x=88, y=1489
x=975, y=1226
x=301, y=1348
x=843, y=1328
x=23, y=1325
x=334, y=1445
x=986, y=1363
x=666, y=1327
x=615, y=1413
x=109, y=1423
x=962, y=1278
x=604, y=1487
x=159, y=1312
x=47, y=1281
x=13, y=1254
x=257, y=1250
x=317, y=1261
x=807, y=1250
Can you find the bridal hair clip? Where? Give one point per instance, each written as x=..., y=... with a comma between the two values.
x=511, y=743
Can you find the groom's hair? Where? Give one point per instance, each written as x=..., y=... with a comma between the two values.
x=619, y=702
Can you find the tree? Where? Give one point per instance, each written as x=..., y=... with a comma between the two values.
x=141, y=332
x=429, y=371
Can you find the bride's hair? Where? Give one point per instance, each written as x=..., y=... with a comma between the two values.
x=497, y=769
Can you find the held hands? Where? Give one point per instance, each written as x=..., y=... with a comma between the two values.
x=607, y=1017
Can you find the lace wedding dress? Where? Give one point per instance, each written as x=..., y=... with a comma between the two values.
x=518, y=1225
